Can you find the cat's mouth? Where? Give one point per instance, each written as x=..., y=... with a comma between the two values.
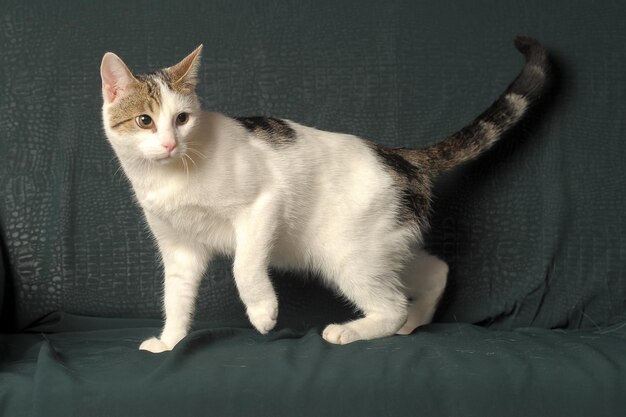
x=166, y=158
x=174, y=155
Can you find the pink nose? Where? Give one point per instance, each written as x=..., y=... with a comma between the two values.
x=169, y=145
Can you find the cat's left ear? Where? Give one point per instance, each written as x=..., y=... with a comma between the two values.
x=185, y=73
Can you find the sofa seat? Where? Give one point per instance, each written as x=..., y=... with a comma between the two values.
x=84, y=366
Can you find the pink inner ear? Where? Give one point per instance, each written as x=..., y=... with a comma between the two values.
x=109, y=92
x=116, y=77
x=186, y=70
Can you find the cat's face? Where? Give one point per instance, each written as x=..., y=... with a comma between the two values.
x=150, y=117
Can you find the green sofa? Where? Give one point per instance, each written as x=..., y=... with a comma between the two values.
x=533, y=322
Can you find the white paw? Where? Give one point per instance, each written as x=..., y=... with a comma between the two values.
x=340, y=334
x=263, y=315
x=154, y=345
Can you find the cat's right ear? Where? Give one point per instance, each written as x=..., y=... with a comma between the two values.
x=116, y=77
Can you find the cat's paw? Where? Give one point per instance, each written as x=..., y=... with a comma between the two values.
x=154, y=345
x=340, y=334
x=263, y=315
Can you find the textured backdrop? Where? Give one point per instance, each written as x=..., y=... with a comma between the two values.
x=533, y=231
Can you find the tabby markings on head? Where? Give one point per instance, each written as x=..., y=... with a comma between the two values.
x=144, y=98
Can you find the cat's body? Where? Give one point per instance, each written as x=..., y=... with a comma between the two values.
x=275, y=193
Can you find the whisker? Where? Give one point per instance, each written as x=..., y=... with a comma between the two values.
x=197, y=152
x=186, y=167
x=117, y=170
x=191, y=159
x=119, y=166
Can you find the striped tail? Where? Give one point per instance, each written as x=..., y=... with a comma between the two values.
x=504, y=113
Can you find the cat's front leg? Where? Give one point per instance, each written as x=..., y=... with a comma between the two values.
x=255, y=232
x=184, y=263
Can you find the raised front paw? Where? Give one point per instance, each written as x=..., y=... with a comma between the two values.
x=263, y=315
x=154, y=345
x=340, y=334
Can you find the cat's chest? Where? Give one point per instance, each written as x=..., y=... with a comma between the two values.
x=162, y=201
x=189, y=216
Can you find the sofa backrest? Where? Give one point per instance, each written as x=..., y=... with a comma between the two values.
x=533, y=231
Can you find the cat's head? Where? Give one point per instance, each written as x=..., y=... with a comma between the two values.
x=150, y=117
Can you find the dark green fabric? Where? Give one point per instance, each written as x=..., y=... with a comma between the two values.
x=532, y=231
x=446, y=369
x=3, y=284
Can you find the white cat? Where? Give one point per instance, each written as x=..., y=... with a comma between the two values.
x=275, y=193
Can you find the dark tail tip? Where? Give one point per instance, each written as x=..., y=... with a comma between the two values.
x=534, y=76
x=534, y=51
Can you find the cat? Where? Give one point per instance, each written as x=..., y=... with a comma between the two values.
x=272, y=192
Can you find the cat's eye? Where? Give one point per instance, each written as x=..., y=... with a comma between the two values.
x=182, y=118
x=144, y=121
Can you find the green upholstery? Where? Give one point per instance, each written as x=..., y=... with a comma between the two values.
x=447, y=369
x=4, y=282
x=533, y=321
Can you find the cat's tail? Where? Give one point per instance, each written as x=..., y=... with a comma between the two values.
x=504, y=113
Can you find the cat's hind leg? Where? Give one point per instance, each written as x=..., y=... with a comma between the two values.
x=425, y=279
x=379, y=297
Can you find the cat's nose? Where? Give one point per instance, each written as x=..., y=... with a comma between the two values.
x=169, y=145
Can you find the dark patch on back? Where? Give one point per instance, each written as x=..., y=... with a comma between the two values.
x=414, y=204
x=395, y=161
x=413, y=184
x=275, y=131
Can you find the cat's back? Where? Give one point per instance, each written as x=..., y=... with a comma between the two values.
x=336, y=162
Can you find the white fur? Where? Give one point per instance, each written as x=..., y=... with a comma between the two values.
x=322, y=203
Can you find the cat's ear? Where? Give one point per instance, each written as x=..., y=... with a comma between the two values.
x=185, y=73
x=116, y=77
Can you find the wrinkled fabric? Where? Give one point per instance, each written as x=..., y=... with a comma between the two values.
x=443, y=369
